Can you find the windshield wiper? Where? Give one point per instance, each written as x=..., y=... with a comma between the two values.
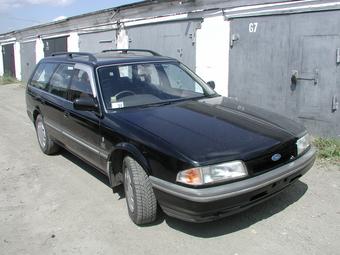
x=157, y=104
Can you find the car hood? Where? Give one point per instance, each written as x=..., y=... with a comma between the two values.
x=212, y=130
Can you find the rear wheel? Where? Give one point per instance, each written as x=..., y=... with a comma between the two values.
x=47, y=145
x=140, y=198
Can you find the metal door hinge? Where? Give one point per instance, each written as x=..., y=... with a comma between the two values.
x=233, y=39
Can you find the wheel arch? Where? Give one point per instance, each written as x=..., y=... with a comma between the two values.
x=116, y=157
x=36, y=112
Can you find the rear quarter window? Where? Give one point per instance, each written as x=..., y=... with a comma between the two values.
x=43, y=75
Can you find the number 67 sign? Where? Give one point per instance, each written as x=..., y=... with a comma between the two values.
x=252, y=27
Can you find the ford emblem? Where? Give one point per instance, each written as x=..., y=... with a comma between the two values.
x=276, y=157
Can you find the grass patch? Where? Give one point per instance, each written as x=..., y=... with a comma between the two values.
x=328, y=148
x=6, y=79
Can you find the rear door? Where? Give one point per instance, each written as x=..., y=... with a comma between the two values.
x=55, y=100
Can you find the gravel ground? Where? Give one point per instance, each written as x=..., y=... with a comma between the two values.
x=59, y=205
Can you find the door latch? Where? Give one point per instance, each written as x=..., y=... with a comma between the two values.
x=335, y=104
x=338, y=56
x=314, y=76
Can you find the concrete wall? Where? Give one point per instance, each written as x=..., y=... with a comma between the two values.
x=17, y=60
x=73, y=42
x=1, y=62
x=212, y=59
x=39, y=49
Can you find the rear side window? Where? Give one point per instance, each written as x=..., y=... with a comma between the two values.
x=61, y=79
x=43, y=75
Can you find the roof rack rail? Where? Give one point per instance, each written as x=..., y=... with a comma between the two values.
x=125, y=51
x=74, y=54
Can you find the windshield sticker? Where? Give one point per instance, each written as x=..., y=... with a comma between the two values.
x=117, y=105
x=113, y=99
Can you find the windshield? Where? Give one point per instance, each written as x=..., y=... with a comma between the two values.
x=148, y=84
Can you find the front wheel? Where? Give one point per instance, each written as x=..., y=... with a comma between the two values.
x=140, y=198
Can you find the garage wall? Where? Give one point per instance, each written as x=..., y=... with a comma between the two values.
x=98, y=41
x=173, y=39
x=28, y=59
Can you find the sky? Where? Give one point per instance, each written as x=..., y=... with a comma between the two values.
x=17, y=14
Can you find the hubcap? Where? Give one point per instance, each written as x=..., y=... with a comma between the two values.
x=41, y=134
x=128, y=190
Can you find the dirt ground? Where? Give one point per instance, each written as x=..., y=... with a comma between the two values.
x=59, y=205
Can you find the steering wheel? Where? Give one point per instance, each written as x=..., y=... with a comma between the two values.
x=124, y=92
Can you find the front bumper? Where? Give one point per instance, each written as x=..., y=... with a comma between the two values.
x=207, y=204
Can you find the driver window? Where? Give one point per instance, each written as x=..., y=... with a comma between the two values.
x=80, y=85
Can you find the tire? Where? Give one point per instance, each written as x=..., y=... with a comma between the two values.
x=140, y=198
x=47, y=145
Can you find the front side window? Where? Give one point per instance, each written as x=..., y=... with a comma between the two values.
x=179, y=79
x=61, y=79
x=43, y=75
x=147, y=84
x=80, y=85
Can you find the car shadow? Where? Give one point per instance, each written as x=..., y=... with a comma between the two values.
x=243, y=219
x=220, y=227
x=92, y=171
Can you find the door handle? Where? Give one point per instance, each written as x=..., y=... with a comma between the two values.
x=39, y=98
x=314, y=76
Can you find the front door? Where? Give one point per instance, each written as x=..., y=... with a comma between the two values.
x=82, y=127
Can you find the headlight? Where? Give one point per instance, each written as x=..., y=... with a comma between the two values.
x=303, y=143
x=211, y=174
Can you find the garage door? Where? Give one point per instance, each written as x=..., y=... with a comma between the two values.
x=268, y=53
x=28, y=59
x=174, y=39
x=8, y=59
x=96, y=42
x=53, y=45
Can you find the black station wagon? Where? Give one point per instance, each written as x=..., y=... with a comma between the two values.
x=149, y=123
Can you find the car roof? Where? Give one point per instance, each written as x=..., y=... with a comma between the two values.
x=109, y=57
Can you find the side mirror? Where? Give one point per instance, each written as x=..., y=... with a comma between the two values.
x=85, y=104
x=211, y=84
